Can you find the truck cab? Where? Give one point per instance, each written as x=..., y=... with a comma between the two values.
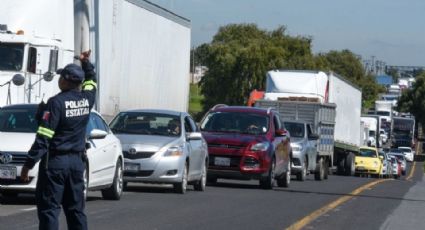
x=27, y=66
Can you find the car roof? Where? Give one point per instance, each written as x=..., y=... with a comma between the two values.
x=159, y=111
x=20, y=106
x=241, y=109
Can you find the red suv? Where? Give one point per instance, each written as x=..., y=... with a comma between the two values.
x=247, y=143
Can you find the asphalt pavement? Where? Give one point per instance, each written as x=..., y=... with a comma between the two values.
x=239, y=205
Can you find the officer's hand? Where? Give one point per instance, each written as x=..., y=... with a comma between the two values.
x=84, y=56
x=24, y=174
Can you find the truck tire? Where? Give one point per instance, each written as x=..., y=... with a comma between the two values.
x=326, y=176
x=349, y=165
x=320, y=172
x=341, y=167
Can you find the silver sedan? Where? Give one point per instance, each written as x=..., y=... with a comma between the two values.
x=162, y=146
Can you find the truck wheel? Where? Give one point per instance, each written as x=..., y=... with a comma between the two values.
x=320, y=172
x=341, y=167
x=114, y=192
x=349, y=165
x=326, y=170
x=303, y=174
x=269, y=181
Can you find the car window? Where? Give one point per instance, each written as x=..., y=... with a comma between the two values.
x=189, y=125
x=309, y=132
x=99, y=123
x=147, y=123
x=295, y=129
x=236, y=122
x=90, y=125
x=18, y=120
x=277, y=123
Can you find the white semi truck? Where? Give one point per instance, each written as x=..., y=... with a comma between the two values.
x=384, y=109
x=327, y=101
x=141, y=51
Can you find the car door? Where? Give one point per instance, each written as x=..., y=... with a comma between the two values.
x=281, y=146
x=195, y=147
x=99, y=154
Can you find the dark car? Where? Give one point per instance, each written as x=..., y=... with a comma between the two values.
x=247, y=143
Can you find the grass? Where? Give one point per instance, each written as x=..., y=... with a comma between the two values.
x=195, y=98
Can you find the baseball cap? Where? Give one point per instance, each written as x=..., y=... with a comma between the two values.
x=72, y=72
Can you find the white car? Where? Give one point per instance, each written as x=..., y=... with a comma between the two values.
x=17, y=133
x=408, y=153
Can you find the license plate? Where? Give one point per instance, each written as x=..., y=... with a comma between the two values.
x=222, y=161
x=131, y=167
x=8, y=172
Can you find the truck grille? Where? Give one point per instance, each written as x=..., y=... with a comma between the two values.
x=138, y=155
x=18, y=158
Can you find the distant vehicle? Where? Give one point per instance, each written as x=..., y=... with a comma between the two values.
x=384, y=136
x=400, y=157
x=384, y=109
x=396, y=167
x=247, y=143
x=368, y=162
x=386, y=164
x=162, y=146
x=304, y=148
x=402, y=134
x=18, y=127
x=371, y=122
x=408, y=153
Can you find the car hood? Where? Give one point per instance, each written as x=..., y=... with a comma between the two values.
x=16, y=142
x=297, y=140
x=146, y=142
x=232, y=138
x=367, y=160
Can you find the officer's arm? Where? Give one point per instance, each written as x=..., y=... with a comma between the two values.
x=46, y=131
x=90, y=81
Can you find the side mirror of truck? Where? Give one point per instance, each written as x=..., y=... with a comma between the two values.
x=313, y=136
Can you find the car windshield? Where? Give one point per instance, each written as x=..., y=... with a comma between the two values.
x=367, y=153
x=398, y=156
x=405, y=149
x=295, y=129
x=146, y=124
x=11, y=56
x=235, y=122
x=20, y=120
x=396, y=151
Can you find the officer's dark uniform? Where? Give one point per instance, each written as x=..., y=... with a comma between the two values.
x=62, y=134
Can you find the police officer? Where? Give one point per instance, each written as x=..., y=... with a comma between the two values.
x=60, y=144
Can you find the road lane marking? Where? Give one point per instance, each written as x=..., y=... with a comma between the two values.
x=412, y=170
x=319, y=212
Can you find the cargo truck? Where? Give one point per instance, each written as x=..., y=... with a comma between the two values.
x=327, y=101
x=403, y=132
x=141, y=51
x=372, y=123
x=385, y=110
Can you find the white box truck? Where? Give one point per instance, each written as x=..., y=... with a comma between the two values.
x=385, y=110
x=141, y=51
x=328, y=90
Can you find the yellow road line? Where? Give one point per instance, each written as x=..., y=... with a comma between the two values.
x=412, y=170
x=319, y=212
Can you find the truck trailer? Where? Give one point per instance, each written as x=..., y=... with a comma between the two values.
x=141, y=51
x=403, y=131
x=326, y=100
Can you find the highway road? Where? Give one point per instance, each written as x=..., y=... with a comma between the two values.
x=338, y=203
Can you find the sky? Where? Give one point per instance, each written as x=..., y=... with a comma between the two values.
x=391, y=30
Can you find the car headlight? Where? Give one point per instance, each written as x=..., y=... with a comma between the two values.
x=262, y=146
x=297, y=147
x=375, y=164
x=174, y=151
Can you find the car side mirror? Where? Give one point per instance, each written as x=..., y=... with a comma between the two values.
x=97, y=134
x=313, y=136
x=194, y=136
x=281, y=132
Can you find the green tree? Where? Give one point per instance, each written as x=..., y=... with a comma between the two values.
x=239, y=57
x=413, y=100
x=348, y=65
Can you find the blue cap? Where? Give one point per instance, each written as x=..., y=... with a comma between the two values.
x=72, y=72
